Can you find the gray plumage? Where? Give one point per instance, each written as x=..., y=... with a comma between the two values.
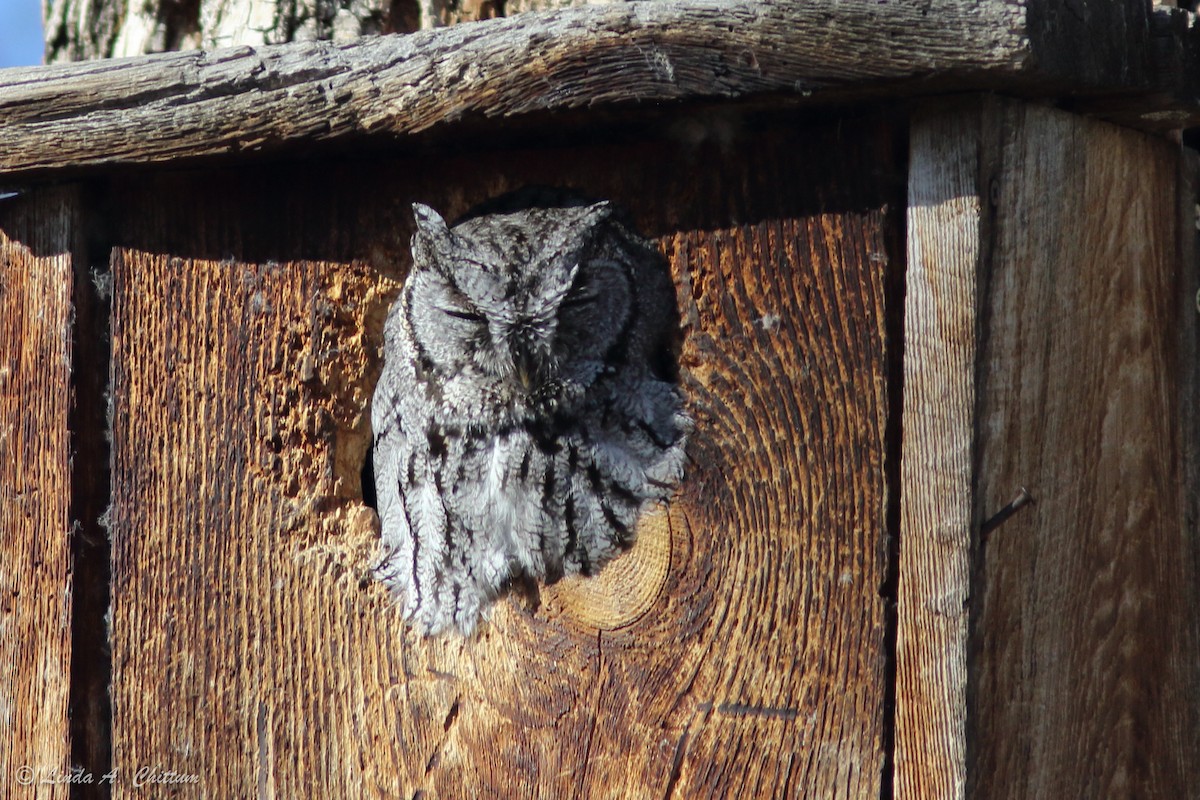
x=528, y=408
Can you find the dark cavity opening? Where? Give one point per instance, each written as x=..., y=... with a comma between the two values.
x=368, y=480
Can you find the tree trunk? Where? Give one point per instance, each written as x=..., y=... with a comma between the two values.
x=77, y=30
x=84, y=29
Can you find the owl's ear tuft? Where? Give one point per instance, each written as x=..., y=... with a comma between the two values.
x=596, y=212
x=427, y=218
x=432, y=236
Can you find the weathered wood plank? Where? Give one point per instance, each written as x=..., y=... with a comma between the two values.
x=1087, y=638
x=1055, y=237
x=229, y=583
x=787, y=367
x=739, y=650
x=37, y=238
x=1169, y=101
x=1188, y=358
x=182, y=105
x=945, y=240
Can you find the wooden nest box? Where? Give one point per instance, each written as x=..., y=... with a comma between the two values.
x=937, y=276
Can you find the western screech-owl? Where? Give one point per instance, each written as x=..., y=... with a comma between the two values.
x=528, y=406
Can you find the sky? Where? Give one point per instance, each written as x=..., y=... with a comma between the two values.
x=20, y=33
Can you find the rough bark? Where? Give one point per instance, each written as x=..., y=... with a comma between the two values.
x=79, y=30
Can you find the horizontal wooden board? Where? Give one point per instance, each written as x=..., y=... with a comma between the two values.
x=738, y=650
x=598, y=59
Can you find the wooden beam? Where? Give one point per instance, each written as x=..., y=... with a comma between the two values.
x=1171, y=98
x=173, y=106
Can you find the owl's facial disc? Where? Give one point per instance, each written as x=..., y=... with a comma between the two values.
x=538, y=320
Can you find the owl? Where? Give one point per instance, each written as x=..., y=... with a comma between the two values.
x=528, y=409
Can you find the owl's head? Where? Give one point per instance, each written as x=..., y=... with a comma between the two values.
x=528, y=306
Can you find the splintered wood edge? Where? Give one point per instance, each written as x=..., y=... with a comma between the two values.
x=185, y=105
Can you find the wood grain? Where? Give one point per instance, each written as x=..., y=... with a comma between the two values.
x=1087, y=640
x=276, y=99
x=223, y=512
x=787, y=366
x=1188, y=358
x=37, y=237
x=1175, y=62
x=749, y=659
x=945, y=241
x=1046, y=348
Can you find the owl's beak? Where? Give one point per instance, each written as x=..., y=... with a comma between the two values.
x=524, y=377
x=530, y=359
x=525, y=369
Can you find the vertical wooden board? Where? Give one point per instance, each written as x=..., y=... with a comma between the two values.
x=937, y=454
x=236, y=546
x=1188, y=359
x=737, y=650
x=758, y=668
x=37, y=237
x=1087, y=646
x=786, y=364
